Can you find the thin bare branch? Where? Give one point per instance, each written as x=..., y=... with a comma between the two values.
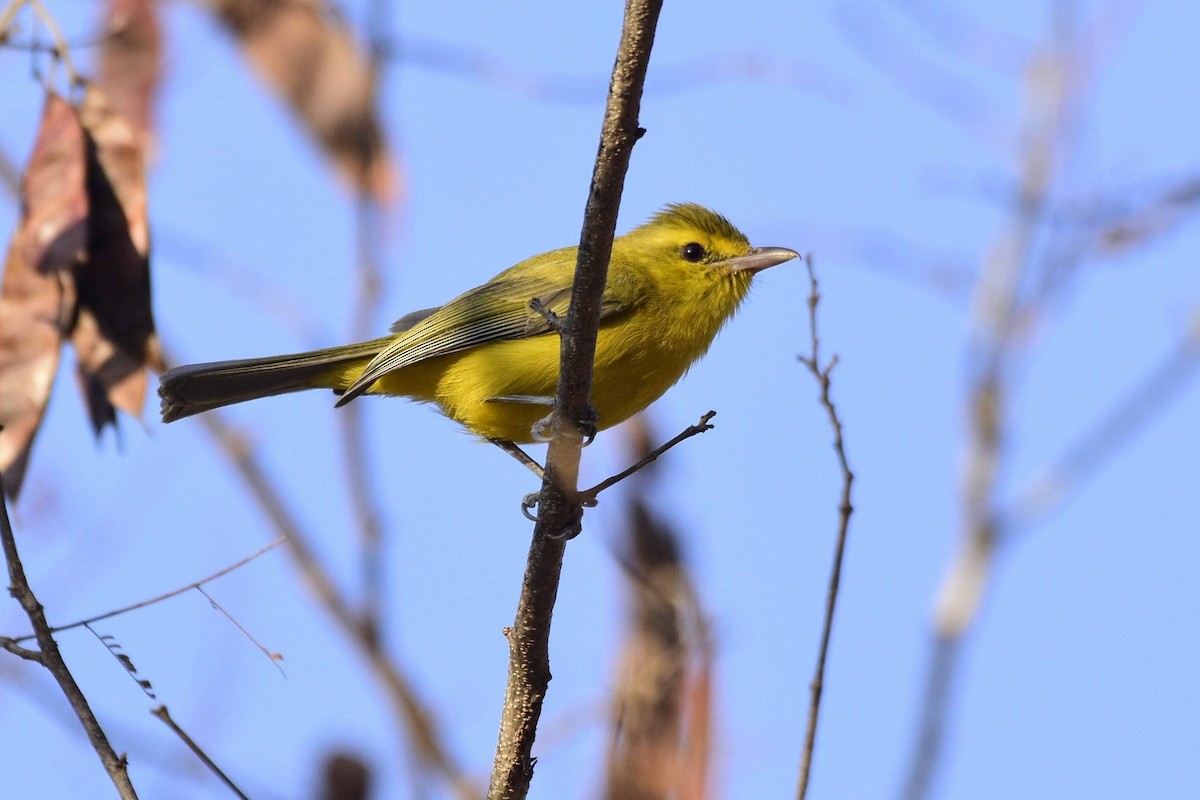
x=821, y=373
x=115, y=650
x=165, y=596
x=1154, y=218
x=271, y=655
x=558, y=507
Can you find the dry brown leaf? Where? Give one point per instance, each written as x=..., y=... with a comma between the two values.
x=37, y=296
x=131, y=63
x=52, y=234
x=307, y=54
x=114, y=333
x=120, y=160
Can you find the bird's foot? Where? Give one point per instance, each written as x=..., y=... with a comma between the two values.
x=543, y=429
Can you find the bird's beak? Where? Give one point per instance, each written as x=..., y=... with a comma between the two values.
x=760, y=258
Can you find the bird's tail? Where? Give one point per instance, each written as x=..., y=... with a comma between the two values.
x=195, y=388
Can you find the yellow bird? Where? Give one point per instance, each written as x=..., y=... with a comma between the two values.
x=489, y=358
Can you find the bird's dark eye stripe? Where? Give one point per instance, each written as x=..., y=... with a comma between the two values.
x=693, y=252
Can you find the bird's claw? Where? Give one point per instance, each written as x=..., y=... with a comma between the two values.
x=588, y=424
x=543, y=429
x=573, y=529
x=528, y=504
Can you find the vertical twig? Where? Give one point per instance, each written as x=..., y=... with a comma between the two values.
x=559, y=509
x=48, y=656
x=845, y=510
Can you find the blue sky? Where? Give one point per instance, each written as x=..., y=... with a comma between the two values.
x=1080, y=676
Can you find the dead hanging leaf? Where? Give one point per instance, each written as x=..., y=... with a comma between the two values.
x=307, y=54
x=78, y=264
x=131, y=64
x=53, y=231
x=37, y=295
x=114, y=332
x=120, y=161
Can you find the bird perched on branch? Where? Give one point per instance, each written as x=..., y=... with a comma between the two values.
x=489, y=358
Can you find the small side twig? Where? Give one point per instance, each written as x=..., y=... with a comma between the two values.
x=114, y=649
x=845, y=510
x=161, y=712
x=165, y=596
x=272, y=656
x=48, y=656
x=588, y=496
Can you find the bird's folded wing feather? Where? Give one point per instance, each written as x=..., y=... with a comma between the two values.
x=498, y=310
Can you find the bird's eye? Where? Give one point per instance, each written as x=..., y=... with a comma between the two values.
x=693, y=252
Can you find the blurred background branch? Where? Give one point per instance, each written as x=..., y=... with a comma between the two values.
x=661, y=738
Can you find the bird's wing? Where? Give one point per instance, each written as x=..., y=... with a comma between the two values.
x=412, y=318
x=505, y=308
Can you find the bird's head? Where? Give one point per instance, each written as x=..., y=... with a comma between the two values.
x=688, y=246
